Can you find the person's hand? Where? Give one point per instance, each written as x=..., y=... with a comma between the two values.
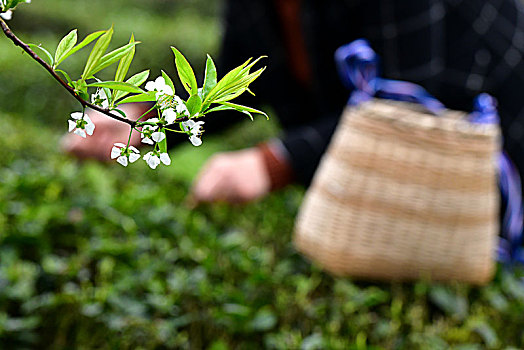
x=107, y=132
x=234, y=177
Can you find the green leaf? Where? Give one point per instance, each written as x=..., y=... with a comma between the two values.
x=88, y=39
x=122, y=113
x=210, y=76
x=136, y=80
x=145, y=97
x=168, y=81
x=112, y=57
x=233, y=84
x=81, y=88
x=219, y=108
x=185, y=72
x=65, y=45
x=96, y=53
x=66, y=76
x=245, y=109
x=46, y=53
x=125, y=62
x=162, y=145
x=117, y=85
x=194, y=105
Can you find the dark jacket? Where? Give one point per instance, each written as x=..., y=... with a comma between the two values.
x=454, y=48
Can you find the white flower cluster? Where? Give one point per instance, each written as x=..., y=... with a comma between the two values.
x=160, y=86
x=80, y=124
x=172, y=107
x=100, y=98
x=9, y=13
x=154, y=158
x=123, y=154
x=195, y=130
x=170, y=112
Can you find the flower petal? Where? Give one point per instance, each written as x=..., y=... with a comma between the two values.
x=152, y=161
x=147, y=141
x=115, y=152
x=169, y=115
x=195, y=140
x=122, y=160
x=197, y=128
x=188, y=125
x=90, y=127
x=7, y=15
x=134, y=149
x=71, y=125
x=150, y=86
x=158, y=136
x=80, y=132
x=133, y=157
x=119, y=144
x=159, y=81
x=166, y=89
x=77, y=115
x=164, y=157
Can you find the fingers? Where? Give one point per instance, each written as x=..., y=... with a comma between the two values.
x=234, y=177
x=107, y=132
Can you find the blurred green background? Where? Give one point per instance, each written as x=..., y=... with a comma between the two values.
x=96, y=256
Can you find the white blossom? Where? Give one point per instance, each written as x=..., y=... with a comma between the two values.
x=158, y=136
x=154, y=158
x=195, y=128
x=123, y=154
x=100, y=98
x=181, y=107
x=160, y=86
x=81, y=124
x=148, y=130
x=195, y=140
x=169, y=115
x=164, y=158
x=7, y=15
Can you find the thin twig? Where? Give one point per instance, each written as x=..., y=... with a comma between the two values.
x=71, y=90
x=51, y=71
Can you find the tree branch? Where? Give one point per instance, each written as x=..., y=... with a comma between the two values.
x=51, y=71
x=66, y=86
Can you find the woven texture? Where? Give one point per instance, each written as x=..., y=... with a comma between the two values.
x=402, y=195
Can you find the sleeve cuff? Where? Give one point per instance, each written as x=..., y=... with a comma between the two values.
x=277, y=164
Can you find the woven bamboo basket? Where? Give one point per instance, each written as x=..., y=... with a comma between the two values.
x=402, y=195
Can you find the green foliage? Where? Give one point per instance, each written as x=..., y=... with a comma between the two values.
x=64, y=52
x=210, y=76
x=64, y=47
x=193, y=25
x=10, y=4
x=232, y=85
x=185, y=72
x=98, y=50
x=96, y=256
x=125, y=62
x=117, y=85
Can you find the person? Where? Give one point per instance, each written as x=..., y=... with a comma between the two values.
x=455, y=49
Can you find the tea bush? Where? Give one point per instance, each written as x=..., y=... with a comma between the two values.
x=97, y=256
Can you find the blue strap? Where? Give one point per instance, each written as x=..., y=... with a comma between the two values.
x=510, y=247
x=357, y=66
